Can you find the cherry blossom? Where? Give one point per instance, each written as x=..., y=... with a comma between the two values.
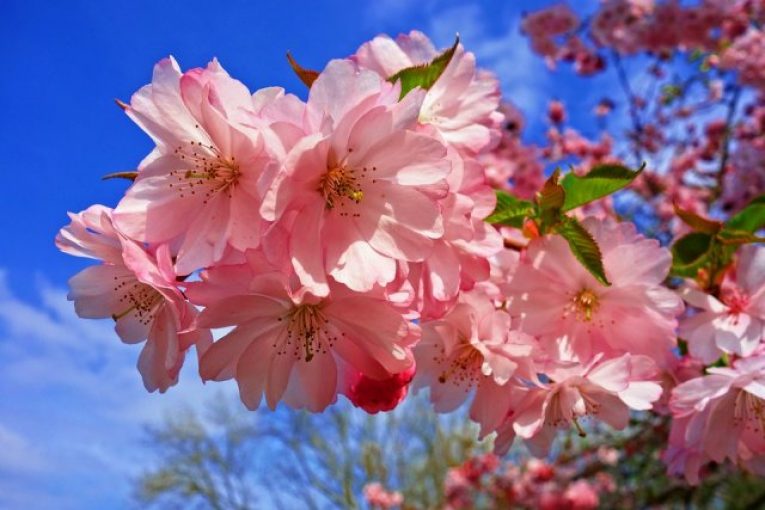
x=462, y=105
x=290, y=345
x=362, y=192
x=470, y=347
x=734, y=324
x=576, y=317
x=201, y=187
x=354, y=244
x=720, y=416
x=378, y=497
x=138, y=290
x=606, y=389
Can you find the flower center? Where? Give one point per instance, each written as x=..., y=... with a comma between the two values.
x=749, y=410
x=210, y=171
x=558, y=416
x=736, y=300
x=308, y=332
x=463, y=363
x=340, y=183
x=585, y=304
x=138, y=299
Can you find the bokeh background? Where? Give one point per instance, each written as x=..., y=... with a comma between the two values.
x=73, y=410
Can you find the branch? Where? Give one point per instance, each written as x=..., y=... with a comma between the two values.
x=725, y=150
x=637, y=124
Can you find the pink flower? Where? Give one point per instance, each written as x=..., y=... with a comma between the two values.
x=477, y=467
x=91, y=234
x=470, y=347
x=460, y=258
x=581, y=495
x=201, y=187
x=746, y=55
x=463, y=102
x=138, y=290
x=543, y=26
x=362, y=192
x=556, y=112
x=725, y=412
x=605, y=389
x=291, y=345
x=745, y=177
x=457, y=489
x=608, y=456
x=378, y=497
x=684, y=459
x=539, y=470
x=734, y=324
x=550, y=499
x=576, y=317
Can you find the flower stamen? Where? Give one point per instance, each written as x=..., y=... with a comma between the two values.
x=585, y=304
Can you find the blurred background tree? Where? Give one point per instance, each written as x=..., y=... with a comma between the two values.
x=410, y=458
x=232, y=459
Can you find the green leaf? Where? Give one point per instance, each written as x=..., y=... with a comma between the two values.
x=690, y=253
x=584, y=247
x=424, y=75
x=599, y=182
x=510, y=210
x=307, y=76
x=698, y=223
x=751, y=218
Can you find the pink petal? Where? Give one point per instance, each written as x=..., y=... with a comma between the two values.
x=612, y=375
x=305, y=248
x=236, y=310
x=640, y=395
x=252, y=367
x=318, y=379
x=701, y=300
x=160, y=360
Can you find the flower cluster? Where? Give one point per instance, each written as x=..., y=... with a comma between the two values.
x=319, y=230
x=483, y=481
x=379, y=498
x=721, y=415
x=393, y=230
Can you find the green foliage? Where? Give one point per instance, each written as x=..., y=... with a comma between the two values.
x=751, y=218
x=558, y=196
x=601, y=181
x=583, y=246
x=424, y=75
x=712, y=244
x=510, y=211
x=690, y=253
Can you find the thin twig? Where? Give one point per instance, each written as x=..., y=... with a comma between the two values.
x=637, y=124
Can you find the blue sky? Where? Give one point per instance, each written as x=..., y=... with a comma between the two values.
x=71, y=405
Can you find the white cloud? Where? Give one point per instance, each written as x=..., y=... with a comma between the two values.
x=522, y=74
x=74, y=407
x=18, y=454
